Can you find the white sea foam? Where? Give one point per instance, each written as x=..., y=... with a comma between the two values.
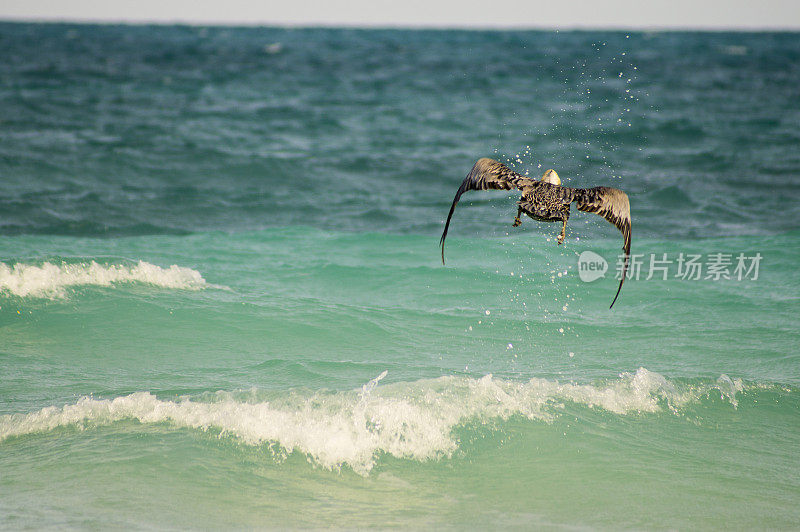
x=406, y=420
x=47, y=280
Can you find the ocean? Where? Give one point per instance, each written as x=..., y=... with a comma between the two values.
x=223, y=305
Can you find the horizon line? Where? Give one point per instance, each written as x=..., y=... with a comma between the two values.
x=400, y=26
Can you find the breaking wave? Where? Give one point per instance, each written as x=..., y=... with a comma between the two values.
x=406, y=420
x=48, y=280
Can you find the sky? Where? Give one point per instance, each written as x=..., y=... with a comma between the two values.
x=623, y=14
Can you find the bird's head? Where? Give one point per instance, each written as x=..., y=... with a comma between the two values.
x=551, y=177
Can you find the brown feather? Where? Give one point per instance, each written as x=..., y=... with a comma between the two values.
x=486, y=174
x=613, y=205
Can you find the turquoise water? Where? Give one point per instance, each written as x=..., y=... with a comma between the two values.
x=222, y=303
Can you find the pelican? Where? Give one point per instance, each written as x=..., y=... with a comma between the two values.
x=546, y=200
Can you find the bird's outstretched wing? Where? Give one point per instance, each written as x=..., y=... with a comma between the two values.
x=487, y=174
x=613, y=205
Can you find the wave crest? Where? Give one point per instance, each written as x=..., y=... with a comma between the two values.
x=50, y=280
x=406, y=420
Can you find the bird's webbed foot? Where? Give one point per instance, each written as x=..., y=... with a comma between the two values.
x=517, y=221
x=560, y=239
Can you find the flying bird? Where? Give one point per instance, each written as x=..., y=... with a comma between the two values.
x=546, y=200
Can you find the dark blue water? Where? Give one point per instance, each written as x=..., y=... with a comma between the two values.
x=120, y=130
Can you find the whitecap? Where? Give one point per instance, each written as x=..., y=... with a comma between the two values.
x=48, y=280
x=409, y=420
